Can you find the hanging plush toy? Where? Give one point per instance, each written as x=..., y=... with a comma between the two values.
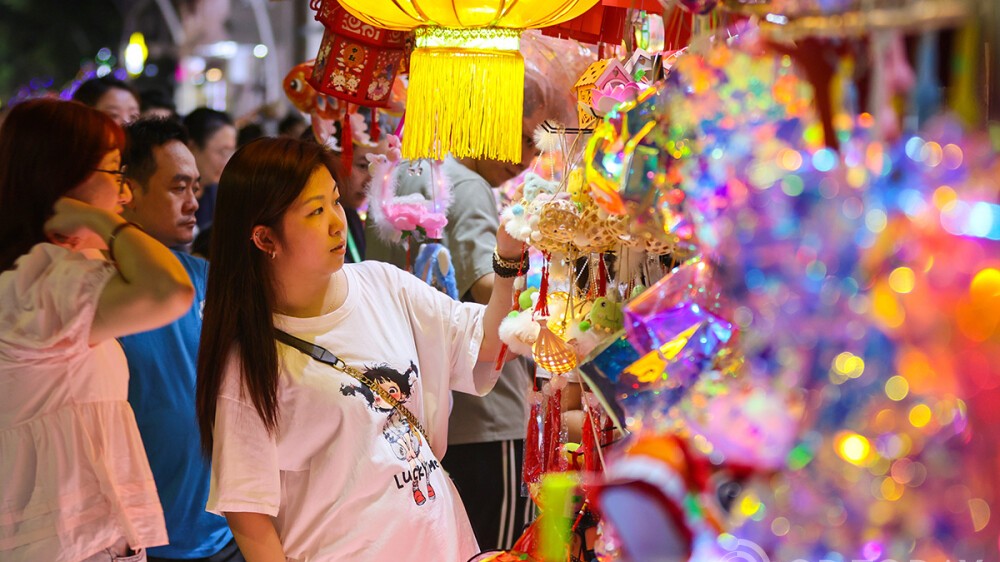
x=407, y=216
x=413, y=219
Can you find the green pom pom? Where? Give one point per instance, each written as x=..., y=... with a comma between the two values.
x=524, y=300
x=584, y=326
x=513, y=314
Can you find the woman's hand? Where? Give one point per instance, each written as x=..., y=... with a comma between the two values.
x=74, y=221
x=501, y=297
x=508, y=247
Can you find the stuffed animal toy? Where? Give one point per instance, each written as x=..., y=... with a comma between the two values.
x=434, y=266
x=397, y=217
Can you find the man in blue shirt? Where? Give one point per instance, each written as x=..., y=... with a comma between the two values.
x=164, y=179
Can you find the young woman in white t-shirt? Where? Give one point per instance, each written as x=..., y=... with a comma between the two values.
x=74, y=480
x=309, y=462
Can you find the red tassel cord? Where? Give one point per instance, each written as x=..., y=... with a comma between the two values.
x=531, y=472
x=376, y=132
x=346, y=142
x=602, y=277
x=608, y=432
x=501, y=357
x=542, y=307
x=552, y=438
x=588, y=445
x=399, y=126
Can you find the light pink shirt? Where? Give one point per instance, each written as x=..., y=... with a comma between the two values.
x=72, y=465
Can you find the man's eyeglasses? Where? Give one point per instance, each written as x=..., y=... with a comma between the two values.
x=120, y=173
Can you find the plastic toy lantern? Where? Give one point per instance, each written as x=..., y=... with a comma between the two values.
x=357, y=62
x=466, y=74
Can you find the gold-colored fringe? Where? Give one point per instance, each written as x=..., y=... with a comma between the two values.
x=464, y=102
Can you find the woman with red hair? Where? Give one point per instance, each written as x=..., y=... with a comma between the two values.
x=76, y=483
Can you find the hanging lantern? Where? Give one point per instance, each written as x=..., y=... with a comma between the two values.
x=604, y=23
x=357, y=62
x=552, y=353
x=466, y=74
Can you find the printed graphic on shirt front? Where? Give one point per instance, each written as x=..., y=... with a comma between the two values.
x=404, y=441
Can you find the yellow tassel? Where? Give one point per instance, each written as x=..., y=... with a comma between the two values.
x=467, y=102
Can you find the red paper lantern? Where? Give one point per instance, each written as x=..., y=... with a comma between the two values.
x=357, y=62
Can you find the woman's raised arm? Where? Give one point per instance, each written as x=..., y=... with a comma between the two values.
x=151, y=288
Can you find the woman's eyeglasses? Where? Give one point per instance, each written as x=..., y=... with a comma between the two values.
x=120, y=173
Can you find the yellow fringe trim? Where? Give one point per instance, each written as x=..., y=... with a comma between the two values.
x=464, y=102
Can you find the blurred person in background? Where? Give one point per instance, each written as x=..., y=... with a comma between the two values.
x=293, y=125
x=354, y=184
x=249, y=132
x=213, y=141
x=155, y=102
x=118, y=99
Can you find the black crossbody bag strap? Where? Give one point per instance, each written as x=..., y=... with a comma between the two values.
x=318, y=353
x=327, y=357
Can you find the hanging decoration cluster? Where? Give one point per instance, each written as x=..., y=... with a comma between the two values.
x=356, y=62
x=466, y=72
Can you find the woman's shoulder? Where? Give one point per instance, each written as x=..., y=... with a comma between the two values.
x=383, y=278
x=373, y=270
x=45, y=259
x=49, y=296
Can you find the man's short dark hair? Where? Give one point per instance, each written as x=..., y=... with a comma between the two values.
x=249, y=132
x=290, y=123
x=143, y=135
x=203, y=122
x=155, y=98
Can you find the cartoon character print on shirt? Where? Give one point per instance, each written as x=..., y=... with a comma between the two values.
x=404, y=441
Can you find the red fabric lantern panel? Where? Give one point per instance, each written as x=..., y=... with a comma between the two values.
x=604, y=23
x=357, y=62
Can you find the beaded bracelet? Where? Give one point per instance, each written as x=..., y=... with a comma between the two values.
x=114, y=236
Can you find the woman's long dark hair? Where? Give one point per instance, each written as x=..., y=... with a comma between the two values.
x=47, y=147
x=258, y=185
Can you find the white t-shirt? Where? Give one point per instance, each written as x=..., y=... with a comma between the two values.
x=344, y=477
x=73, y=472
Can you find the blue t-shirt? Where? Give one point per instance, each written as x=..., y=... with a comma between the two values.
x=161, y=389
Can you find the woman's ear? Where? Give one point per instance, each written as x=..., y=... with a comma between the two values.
x=263, y=238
